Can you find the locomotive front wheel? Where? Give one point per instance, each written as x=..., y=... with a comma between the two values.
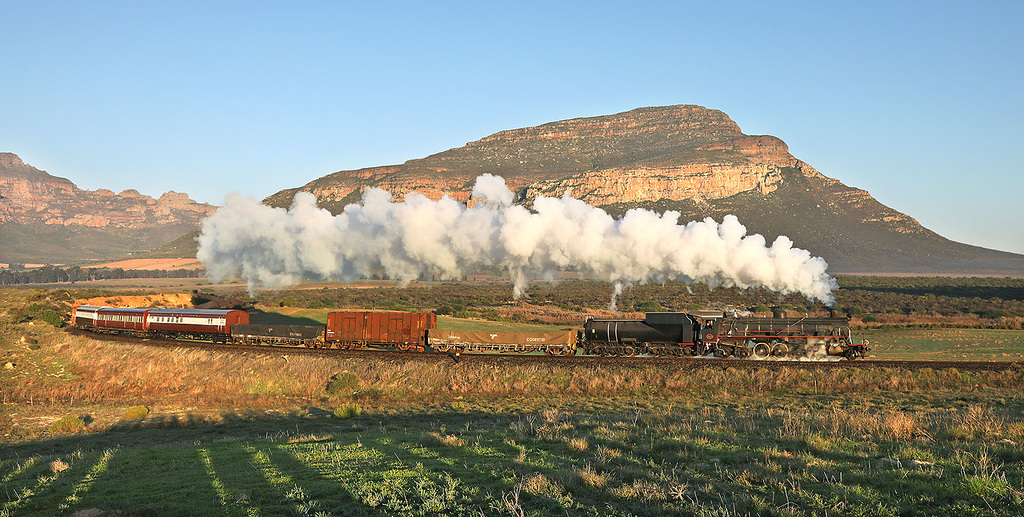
x=761, y=351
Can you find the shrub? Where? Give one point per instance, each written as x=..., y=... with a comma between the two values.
x=370, y=394
x=870, y=318
x=52, y=318
x=993, y=314
x=136, y=412
x=348, y=410
x=649, y=306
x=67, y=424
x=342, y=383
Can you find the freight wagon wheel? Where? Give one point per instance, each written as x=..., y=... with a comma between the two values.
x=762, y=351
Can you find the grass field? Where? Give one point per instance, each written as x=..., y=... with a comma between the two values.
x=945, y=344
x=801, y=455
x=141, y=430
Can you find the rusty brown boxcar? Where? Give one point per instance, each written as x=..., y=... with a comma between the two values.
x=359, y=329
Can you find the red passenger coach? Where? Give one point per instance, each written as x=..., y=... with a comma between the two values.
x=402, y=330
x=117, y=319
x=84, y=316
x=214, y=324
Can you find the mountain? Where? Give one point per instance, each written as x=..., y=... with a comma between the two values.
x=686, y=158
x=48, y=219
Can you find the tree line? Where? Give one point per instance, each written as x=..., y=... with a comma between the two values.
x=59, y=275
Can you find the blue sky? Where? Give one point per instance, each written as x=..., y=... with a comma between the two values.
x=920, y=103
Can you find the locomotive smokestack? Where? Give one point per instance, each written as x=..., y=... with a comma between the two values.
x=777, y=312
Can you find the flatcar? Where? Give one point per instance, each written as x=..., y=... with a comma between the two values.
x=502, y=342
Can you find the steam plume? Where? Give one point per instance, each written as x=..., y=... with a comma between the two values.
x=275, y=247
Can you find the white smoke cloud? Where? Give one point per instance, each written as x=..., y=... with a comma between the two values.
x=274, y=247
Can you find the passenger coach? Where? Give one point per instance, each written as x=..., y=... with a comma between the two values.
x=211, y=324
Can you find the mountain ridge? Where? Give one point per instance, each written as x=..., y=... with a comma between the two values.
x=687, y=158
x=48, y=219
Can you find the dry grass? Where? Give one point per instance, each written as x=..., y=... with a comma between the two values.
x=436, y=439
x=99, y=372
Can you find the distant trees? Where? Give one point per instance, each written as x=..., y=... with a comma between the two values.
x=58, y=275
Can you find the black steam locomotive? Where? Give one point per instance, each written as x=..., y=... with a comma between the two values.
x=712, y=333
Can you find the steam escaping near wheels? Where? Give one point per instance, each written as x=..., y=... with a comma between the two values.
x=405, y=240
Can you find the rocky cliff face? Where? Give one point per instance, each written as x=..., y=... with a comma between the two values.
x=686, y=158
x=34, y=203
x=642, y=156
x=29, y=195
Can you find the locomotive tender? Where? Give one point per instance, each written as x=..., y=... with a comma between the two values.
x=671, y=334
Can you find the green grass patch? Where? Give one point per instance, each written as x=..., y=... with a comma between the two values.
x=452, y=323
x=792, y=455
x=945, y=344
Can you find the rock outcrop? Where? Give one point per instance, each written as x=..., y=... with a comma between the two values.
x=28, y=195
x=41, y=213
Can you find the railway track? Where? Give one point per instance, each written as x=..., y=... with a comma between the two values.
x=682, y=363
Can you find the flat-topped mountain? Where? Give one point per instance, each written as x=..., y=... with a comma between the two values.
x=48, y=219
x=686, y=158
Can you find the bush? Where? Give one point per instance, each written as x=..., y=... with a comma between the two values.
x=870, y=318
x=136, y=413
x=371, y=394
x=342, y=383
x=52, y=318
x=67, y=424
x=649, y=306
x=993, y=314
x=348, y=410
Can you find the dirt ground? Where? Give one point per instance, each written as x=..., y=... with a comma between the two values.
x=167, y=300
x=165, y=264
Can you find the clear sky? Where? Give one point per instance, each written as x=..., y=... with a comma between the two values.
x=920, y=103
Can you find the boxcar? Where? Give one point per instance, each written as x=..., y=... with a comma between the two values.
x=358, y=329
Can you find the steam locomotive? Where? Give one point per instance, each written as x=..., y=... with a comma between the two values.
x=712, y=333
x=663, y=334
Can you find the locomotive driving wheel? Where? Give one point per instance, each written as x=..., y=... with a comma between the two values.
x=779, y=348
x=761, y=351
